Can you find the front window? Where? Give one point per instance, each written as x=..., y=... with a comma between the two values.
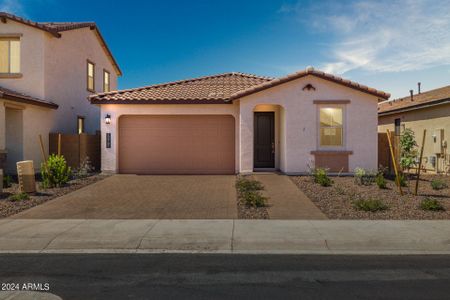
x=80, y=125
x=10, y=55
x=90, y=76
x=331, y=127
x=398, y=123
x=106, y=81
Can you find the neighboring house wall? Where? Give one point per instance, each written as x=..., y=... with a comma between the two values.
x=110, y=156
x=66, y=81
x=31, y=59
x=299, y=121
x=431, y=119
x=23, y=123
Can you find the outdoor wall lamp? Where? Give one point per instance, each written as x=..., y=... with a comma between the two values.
x=108, y=119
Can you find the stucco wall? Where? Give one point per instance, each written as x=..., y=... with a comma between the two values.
x=24, y=124
x=437, y=117
x=301, y=123
x=31, y=59
x=65, y=78
x=110, y=156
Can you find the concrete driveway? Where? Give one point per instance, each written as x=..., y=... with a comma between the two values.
x=145, y=197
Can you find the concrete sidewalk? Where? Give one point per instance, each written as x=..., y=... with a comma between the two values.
x=225, y=236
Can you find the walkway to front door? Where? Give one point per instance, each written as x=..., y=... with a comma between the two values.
x=286, y=201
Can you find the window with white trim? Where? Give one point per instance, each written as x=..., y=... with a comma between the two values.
x=331, y=127
x=10, y=55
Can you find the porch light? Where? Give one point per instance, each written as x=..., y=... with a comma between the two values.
x=108, y=119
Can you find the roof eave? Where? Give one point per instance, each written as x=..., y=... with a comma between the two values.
x=26, y=100
x=415, y=107
x=298, y=75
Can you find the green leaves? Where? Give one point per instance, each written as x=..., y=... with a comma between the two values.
x=408, y=149
x=55, y=172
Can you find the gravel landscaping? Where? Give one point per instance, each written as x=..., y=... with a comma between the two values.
x=246, y=211
x=337, y=201
x=8, y=207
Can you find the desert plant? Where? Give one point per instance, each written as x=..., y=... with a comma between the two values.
x=339, y=189
x=254, y=199
x=438, y=184
x=364, y=177
x=244, y=184
x=371, y=205
x=321, y=177
x=55, y=171
x=381, y=181
x=7, y=181
x=403, y=180
x=431, y=205
x=408, y=149
x=84, y=169
x=18, y=197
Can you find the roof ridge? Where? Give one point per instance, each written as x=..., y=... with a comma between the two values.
x=314, y=72
x=417, y=94
x=170, y=83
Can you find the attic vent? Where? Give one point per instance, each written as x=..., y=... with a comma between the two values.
x=309, y=87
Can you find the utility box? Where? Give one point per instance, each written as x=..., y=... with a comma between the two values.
x=25, y=174
x=438, y=138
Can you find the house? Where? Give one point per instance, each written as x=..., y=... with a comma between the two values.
x=46, y=72
x=239, y=123
x=425, y=110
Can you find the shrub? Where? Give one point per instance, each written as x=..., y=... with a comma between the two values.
x=381, y=182
x=408, y=149
x=403, y=180
x=372, y=205
x=7, y=181
x=431, y=204
x=55, y=172
x=244, y=185
x=19, y=197
x=363, y=177
x=254, y=198
x=339, y=190
x=321, y=177
x=438, y=184
x=85, y=169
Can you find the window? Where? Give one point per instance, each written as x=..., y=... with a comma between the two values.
x=90, y=76
x=80, y=125
x=10, y=55
x=398, y=123
x=331, y=127
x=106, y=81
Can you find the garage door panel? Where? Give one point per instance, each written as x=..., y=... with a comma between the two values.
x=181, y=144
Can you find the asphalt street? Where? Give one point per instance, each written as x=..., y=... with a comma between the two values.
x=217, y=276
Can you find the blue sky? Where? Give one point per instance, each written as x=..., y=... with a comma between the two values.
x=389, y=45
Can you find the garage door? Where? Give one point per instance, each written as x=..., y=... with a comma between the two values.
x=181, y=144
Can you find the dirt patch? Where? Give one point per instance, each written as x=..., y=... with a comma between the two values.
x=249, y=212
x=336, y=201
x=9, y=208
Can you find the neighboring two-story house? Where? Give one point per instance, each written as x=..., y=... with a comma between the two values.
x=47, y=70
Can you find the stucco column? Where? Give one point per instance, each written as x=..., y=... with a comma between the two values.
x=109, y=155
x=246, y=138
x=2, y=135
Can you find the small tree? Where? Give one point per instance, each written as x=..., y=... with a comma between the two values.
x=408, y=149
x=55, y=171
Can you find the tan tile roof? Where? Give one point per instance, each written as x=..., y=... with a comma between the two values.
x=208, y=89
x=55, y=28
x=419, y=100
x=22, y=98
x=215, y=89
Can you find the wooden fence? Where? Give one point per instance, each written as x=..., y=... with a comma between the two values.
x=384, y=154
x=76, y=147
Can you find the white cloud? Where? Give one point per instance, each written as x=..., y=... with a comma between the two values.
x=380, y=36
x=13, y=7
